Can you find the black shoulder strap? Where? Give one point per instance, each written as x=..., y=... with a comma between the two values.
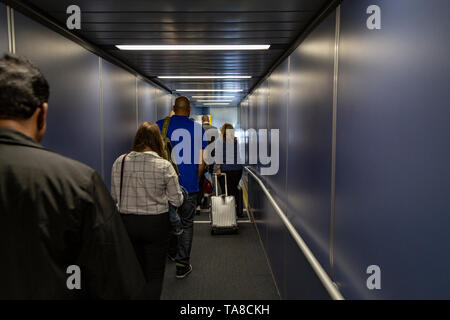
x=121, y=178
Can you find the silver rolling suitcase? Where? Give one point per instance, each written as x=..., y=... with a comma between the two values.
x=223, y=211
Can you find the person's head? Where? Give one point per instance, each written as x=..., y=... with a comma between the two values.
x=227, y=132
x=205, y=119
x=182, y=106
x=148, y=138
x=24, y=94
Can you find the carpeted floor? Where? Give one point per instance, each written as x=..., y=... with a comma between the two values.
x=224, y=267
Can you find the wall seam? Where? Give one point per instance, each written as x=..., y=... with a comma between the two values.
x=137, y=101
x=155, y=103
x=333, y=138
x=11, y=30
x=287, y=156
x=8, y=22
x=268, y=105
x=102, y=137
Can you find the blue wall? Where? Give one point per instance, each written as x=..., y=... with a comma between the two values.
x=164, y=104
x=392, y=192
x=146, y=102
x=310, y=119
x=119, y=113
x=393, y=155
x=302, y=185
x=73, y=127
x=76, y=115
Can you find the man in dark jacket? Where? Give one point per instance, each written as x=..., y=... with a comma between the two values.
x=61, y=236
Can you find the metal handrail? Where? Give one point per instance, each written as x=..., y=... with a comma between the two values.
x=323, y=276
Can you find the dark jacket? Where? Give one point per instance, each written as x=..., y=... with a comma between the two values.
x=56, y=212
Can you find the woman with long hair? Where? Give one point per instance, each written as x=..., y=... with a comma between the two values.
x=143, y=184
x=230, y=165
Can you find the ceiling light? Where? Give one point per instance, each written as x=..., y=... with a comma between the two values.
x=204, y=77
x=214, y=100
x=208, y=97
x=216, y=104
x=193, y=47
x=209, y=90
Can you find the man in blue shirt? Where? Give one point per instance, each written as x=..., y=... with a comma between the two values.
x=186, y=137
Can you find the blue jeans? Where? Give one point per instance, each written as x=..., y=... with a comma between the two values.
x=174, y=218
x=180, y=246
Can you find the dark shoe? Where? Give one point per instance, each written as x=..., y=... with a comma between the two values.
x=183, y=271
x=171, y=258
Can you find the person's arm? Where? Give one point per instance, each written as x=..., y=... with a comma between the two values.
x=113, y=183
x=201, y=166
x=108, y=263
x=174, y=194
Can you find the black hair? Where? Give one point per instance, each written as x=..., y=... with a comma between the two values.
x=23, y=88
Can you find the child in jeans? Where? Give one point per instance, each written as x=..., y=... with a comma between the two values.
x=174, y=218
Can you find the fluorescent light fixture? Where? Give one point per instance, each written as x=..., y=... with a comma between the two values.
x=209, y=90
x=194, y=47
x=216, y=104
x=204, y=77
x=214, y=100
x=210, y=97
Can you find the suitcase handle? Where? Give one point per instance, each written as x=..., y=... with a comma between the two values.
x=226, y=188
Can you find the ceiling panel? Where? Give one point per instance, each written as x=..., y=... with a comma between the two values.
x=107, y=23
x=194, y=27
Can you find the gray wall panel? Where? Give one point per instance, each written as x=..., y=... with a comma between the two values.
x=146, y=102
x=4, y=47
x=310, y=123
x=73, y=127
x=164, y=104
x=301, y=282
x=300, y=100
x=278, y=84
x=220, y=116
x=261, y=103
x=119, y=113
x=392, y=180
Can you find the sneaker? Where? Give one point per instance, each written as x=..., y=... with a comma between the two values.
x=171, y=258
x=183, y=271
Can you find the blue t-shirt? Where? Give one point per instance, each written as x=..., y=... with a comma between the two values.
x=187, y=153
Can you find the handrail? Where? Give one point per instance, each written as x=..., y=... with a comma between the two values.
x=320, y=272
